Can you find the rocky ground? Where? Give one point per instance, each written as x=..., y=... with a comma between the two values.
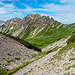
x=60, y=43
x=55, y=63
x=12, y=53
x=56, y=66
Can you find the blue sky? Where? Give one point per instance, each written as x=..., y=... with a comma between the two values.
x=61, y=10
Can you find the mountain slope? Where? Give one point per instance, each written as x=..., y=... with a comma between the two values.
x=12, y=53
x=59, y=62
x=62, y=63
x=37, y=30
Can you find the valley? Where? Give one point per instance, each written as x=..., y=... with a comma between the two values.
x=37, y=30
x=37, y=45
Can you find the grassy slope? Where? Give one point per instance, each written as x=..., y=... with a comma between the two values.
x=50, y=35
x=46, y=36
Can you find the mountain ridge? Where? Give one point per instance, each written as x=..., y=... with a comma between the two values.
x=36, y=29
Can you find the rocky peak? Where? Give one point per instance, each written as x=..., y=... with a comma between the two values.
x=33, y=16
x=44, y=20
x=52, y=19
x=28, y=19
x=12, y=22
x=2, y=22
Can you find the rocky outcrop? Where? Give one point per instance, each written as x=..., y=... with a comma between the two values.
x=44, y=21
x=27, y=27
x=12, y=22
x=2, y=22
x=9, y=24
x=28, y=19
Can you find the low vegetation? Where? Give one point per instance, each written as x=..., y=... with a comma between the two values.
x=18, y=58
x=72, y=59
x=73, y=66
x=3, y=71
x=71, y=39
x=42, y=54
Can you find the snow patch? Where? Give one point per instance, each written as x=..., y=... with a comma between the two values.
x=11, y=28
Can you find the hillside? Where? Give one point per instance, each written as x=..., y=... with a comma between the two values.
x=59, y=62
x=13, y=53
x=41, y=33
x=37, y=30
x=62, y=63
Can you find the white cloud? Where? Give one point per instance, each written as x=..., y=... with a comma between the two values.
x=1, y=3
x=44, y=14
x=64, y=13
x=18, y=13
x=29, y=9
x=66, y=18
x=59, y=8
x=6, y=8
x=8, y=11
x=9, y=0
x=7, y=16
x=61, y=14
x=65, y=1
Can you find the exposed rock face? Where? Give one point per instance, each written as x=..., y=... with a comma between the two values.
x=44, y=20
x=9, y=24
x=12, y=53
x=33, y=16
x=1, y=22
x=30, y=26
x=12, y=22
x=28, y=19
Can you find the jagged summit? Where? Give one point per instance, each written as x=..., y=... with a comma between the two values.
x=28, y=19
x=33, y=16
x=28, y=26
x=12, y=21
x=40, y=21
x=44, y=20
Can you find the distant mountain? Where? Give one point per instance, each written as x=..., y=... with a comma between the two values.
x=36, y=29
x=2, y=22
